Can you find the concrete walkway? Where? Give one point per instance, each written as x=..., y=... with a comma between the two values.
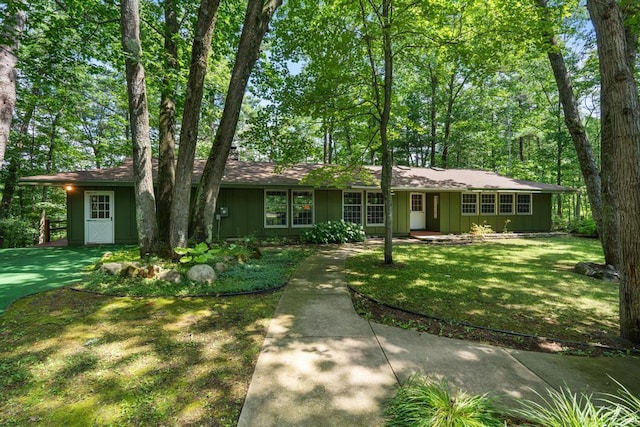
x=323, y=365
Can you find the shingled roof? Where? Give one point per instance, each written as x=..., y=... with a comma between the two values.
x=250, y=174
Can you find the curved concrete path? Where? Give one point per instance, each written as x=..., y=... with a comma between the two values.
x=323, y=365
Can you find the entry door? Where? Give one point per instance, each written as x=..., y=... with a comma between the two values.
x=417, y=219
x=98, y=217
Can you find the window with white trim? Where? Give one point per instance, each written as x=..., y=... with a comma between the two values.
x=488, y=203
x=375, y=208
x=505, y=204
x=302, y=208
x=469, y=203
x=276, y=206
x=524, y=204
x=352, y=206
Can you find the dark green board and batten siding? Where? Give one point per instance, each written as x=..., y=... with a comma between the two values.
x=246, y=214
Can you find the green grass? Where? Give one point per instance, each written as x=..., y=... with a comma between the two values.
x=525, y=286
x=26, y=271
x=268, y=272
x=78, y=358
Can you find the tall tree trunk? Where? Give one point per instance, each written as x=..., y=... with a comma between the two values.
x=433, y=112
x=139, y=119
x=620, y=121
x=256, y=24
x=167, y=129
x=600, y=208
x=13, y=170
x=11, y=32
x=387, y=166
x=180, y=205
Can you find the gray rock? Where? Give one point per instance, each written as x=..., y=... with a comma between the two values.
x=221, y=267
x=202, y=273
x=171, y=276
x=114, y=268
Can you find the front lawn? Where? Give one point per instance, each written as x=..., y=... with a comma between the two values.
x=525, y=286
x=77, y=358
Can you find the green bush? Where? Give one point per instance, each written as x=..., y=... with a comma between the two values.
x=564, y=408
x=421, y=402
x=335, y=232
x=585, y=227
x=16, y=233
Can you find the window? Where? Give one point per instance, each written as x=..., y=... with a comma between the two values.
x=488, y=204
x=100, y=206
x=275, y=208
x=524, y=204
x=506, y=204
x=416, y=203
x=375, y=209
x=352, y=206
x=469, y=203
x=302, y=205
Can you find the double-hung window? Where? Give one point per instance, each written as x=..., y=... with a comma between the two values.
x=506, y=204
x=276, y=206
x=352, y=206
x=488, y=203
x=375, y=208
x=302, y=207
x=469, y=203
x=524, y=204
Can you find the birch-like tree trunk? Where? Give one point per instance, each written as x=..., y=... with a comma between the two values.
x=139, y=119
x=256, y=24
x=620, y=124
x=11, y=31
x=181, y=202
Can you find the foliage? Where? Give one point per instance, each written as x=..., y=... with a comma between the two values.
x=584, y=227
x=563, y=408
x=521, y=285
x=199, y=254
x=244, y=274
x=335, y=232
x=16, y=232
x=70, y=358
x=481, y=230
x=421, y=402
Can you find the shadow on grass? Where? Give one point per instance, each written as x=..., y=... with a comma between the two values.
x=70, y=358
x=521, y=286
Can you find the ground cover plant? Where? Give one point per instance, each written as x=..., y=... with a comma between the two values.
x=71, y=357
x=244, y=274
x=521, y=285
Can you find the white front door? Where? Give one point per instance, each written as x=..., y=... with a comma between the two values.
x=417, y=218
x=98, y=208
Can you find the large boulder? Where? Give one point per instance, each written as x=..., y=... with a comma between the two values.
x=202, y=273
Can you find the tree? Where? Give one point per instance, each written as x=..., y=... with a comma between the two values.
x=200, y=50
x=139, y=118
x=256, y=24
x=600, y=208
x=11, y=32
x=620, y=115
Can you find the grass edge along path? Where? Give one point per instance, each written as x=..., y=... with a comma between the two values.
x=525, y=286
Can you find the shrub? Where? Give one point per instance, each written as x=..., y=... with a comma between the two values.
x=16, y=232
x=335, y=232
x=421, y=402
x=481, y=230
x=564, y=408
x=585, y=227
